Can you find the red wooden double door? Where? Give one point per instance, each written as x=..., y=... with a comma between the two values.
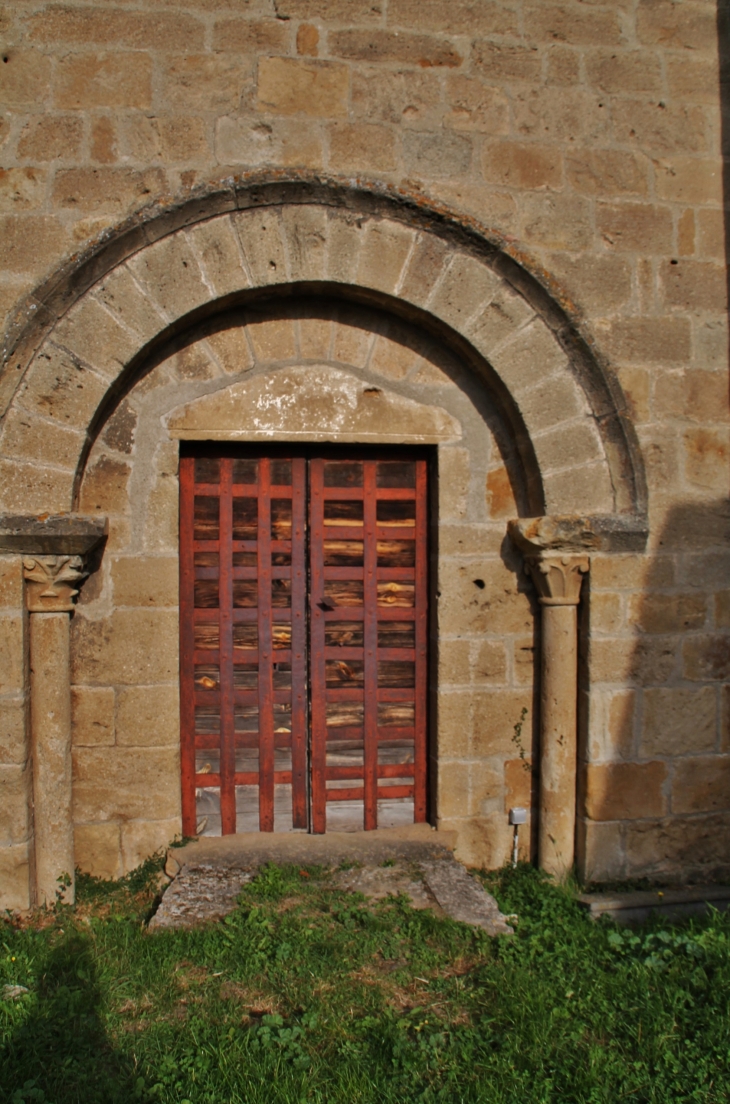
x=303, y=611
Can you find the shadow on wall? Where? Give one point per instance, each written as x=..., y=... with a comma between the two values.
x=654, y=800
x=61, y=1053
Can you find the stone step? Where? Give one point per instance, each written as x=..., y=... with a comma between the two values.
x=671, y=904
x=208, y=874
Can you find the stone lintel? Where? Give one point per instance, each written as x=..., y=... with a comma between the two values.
x=51, y=535
x=571, y=533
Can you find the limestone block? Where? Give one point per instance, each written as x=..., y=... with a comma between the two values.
x=104, y=190
x=481, y=597
x=45, y=139
x=345, y=238
x=305, y=232
x=128, y=647
x=666, y=613
x=550, y=402
x=678, y=722
x=15, y=888
x=231, y=349
x=12, y=652
x=454, y=709
x=568, y=444
x=612, y=724
x=26, y=82
x=489, y=662
x=678, y=847
x=97, y=849
x=706, y=657
x=245, y=140
x=581, y=490
x=494, y=716
x=13, y=730
x=722, y=609
x=522, y=165
x=707, y=453
x=148, y=716
x=161, y=529
x=440, y=155
x=625, y=791
x=558, y=222
x=486, y=786
x=383, y=255
x=110, y=79
x=506, y=313
x=96, y=337
x=600, y=850
x=426, y=263
x=32, y=438
x=607, y=172
x=105, y=486
x=470, y=540
x=528, y=358
x=143, y=838
x=662, y=341
x=391, y=357
x=126, y=783
x=272, y=339
x=92, y=716
x=526, y=655
x=311, y=404
x=170, y=273
x=60, y=387
x=688, y=179
x=483, y=842
x=466, y=287
x=33, y=488
x=206, y=82
x=628, y=571
x=454, y=664
x=122, y=295
x=145, y=581
x=453, y=787
x=11, y=582
x=607, y=614
x=454, y=480
x=289, y=86
x=701, y=784
x=29, y=241
x=216, y=245
x=260, y=233
x=352, y=339
x=650, y=660
x=520, y=790
x=361, y=147
x=15, y=801
x=315, y=338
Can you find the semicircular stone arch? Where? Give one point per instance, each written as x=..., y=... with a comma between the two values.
x=562, y=406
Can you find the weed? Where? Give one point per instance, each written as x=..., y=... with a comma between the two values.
x=307, y=993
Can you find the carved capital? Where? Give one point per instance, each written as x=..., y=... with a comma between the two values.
x=51, y=582
x=557, y=578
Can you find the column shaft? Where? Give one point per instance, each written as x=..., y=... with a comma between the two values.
x=50, y=709
x=558, y=726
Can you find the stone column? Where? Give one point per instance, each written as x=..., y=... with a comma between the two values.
x=558, y=581
x=50, y=594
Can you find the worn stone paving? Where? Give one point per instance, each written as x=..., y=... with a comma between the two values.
x=206, y=887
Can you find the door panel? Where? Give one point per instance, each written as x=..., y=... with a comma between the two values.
x=303, y=647
x=368, y=597
x=243, y=643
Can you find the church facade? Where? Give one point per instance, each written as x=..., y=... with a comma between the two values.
x=364, y=442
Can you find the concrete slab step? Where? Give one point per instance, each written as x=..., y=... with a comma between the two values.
x=208, y=874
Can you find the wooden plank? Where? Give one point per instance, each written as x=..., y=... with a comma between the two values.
x=266, y=687
x=370, y=650
x=225, y=620
x=318, y=707
x=187, y=647
x=421, y=602
x=300, y=818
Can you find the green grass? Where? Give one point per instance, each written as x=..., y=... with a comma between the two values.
x=306, y=993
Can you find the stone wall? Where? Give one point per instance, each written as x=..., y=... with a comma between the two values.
x=585, y=138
